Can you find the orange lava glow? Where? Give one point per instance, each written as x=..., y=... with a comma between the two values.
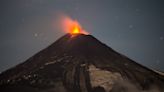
x=72, y=26
x=76, y=30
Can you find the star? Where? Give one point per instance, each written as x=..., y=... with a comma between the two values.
x=23, y=19
x=161, y=38
x=130, y=26
x=36, y=35
x=137, y=10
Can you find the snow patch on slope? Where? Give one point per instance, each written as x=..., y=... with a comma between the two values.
x=103, y=78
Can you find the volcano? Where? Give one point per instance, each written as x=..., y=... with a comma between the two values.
x=80, y=63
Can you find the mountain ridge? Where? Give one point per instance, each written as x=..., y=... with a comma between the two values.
x=73, y=62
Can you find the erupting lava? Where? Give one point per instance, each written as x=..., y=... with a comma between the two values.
x=75, y=30
x=72, y=26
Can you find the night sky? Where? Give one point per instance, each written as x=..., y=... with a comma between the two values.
x=134, y=28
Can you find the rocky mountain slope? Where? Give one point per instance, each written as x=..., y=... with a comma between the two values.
x=80, y=63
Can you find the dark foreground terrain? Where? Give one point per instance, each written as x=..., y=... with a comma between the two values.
x=80, y=63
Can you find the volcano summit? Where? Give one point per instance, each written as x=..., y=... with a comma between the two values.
x=80, y=63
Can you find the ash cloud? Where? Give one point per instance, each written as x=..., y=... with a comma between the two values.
x=126, y=86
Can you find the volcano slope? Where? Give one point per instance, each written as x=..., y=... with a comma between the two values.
x=80, y=63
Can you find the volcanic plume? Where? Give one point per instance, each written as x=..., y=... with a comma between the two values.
x=71, y=26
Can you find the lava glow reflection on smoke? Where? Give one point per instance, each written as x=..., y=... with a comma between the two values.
x=72, y=26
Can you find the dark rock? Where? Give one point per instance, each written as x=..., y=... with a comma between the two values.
x=79, y=63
